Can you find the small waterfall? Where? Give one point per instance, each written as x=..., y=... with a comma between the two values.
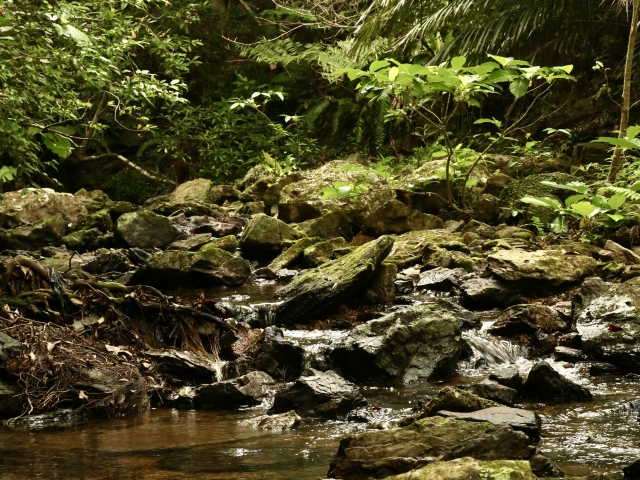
x=495, y=350
x=268, y=314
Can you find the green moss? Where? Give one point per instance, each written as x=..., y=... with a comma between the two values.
x=228, y=243
x=211, y=256
x=100, y=220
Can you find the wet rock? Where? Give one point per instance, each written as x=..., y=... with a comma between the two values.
x=286, y=275
x=108, y=261
x=266, y=235
x=145, y=229
x=330, y=225
x=543, y=468
x=544, y=383
x=58, y=418
x=492, y=390
x=282, y=421
x=324, y=287
x=508, y=376
x=610, y=326
x=455, y=399
x=549, y=266
x=597, y=369
x=322, y=394
x=566, y=354
x=379, y=454
x=591, y=288
x=291, y=254
x=186, y=365
x=468, y=320
x=617, y=253
x=468, y=468
x=420, y=342
x=10, y=403
x=441, y=278
x=516, y=418
x=49, y=231
x=194, y=242
x=488, y=292
x=633, y=470
x=246, y=390
x=528, y=319
x=322, y=252
x=280, y=358
x=31, y=205
x=395, y=217
x=9, y=348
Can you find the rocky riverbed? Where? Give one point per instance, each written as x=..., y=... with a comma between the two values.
x=407, y=341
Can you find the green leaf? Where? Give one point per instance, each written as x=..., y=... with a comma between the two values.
x=500, y=76
x=617, y=201
x=616, y=218
x=585, y=209
x=560, y=225
x=493, y=121
x=519, y=87
x=378, y=65
x=458, y=62
x=567, y=68
x=573, y=199
x=393, y=73
x=619, y=142
x=501, y=60
x=542, y=202
x=58, y=145
x=329, y=192
x=632, y=131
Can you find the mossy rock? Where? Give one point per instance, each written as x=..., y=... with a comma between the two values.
x=324, y=287
x=100, y=220
x=321, y=253
x=49, y=231
x=291, y=254
x=531, y=186
x=265, y=235
x=145, y=229
x=228, y=243
x=409, y=247
x=81, y=240
x=468, y=468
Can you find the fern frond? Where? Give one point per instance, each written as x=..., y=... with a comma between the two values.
x=629, y=194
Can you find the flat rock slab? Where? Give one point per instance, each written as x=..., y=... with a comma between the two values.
x=468, y=468
x=516, y=418
x=186, y=365
x=550, y=266
x=246, y=390
x=382, y=453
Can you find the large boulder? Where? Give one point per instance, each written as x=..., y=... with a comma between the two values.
x=544, y=383
x=488, y=292
x=322, y=394
x=145, y=229
x=279, y=357
x=468, y=468
x=409, y=248
x=31, y=205
x=420, y=342
x=552, y=267
x=265, y=235
x=528, y=319
x=307, y=190
x=492, y=390
x=395, y=217
x=326, y=286
x=379, y=454
x=197, y=191
x=290, y=255
x=516, y=418
x=609, y=324
x=208, y=266
x=331, y=225
x=49, y=231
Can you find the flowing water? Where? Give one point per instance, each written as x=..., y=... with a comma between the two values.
x=582, y=438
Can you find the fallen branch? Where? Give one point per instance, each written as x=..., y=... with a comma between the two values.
x=144, y=172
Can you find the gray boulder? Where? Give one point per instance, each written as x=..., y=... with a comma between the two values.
x=396, y=217
x=282, y=421
x=610, y=325
x=508, y=376
x=145, y=229
x=322, y=394
x=265, y=235
x=322, y=252
x=455, y=400
x=49, y=231
x=492, y=390
x=246, y=390
x=326, y=286
x=31, y=205
x=552, y=267
x=528, y=319
x=420, y=342
x=544, y=383
x=488, y=292
x=441, y=278
x=186, y=365
x=379, y=454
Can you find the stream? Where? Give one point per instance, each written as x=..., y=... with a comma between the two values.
x=581, y=438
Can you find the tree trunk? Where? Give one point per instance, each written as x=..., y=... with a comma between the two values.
x=616, y=162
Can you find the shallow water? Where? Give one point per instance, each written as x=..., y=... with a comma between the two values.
x=582, y=438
